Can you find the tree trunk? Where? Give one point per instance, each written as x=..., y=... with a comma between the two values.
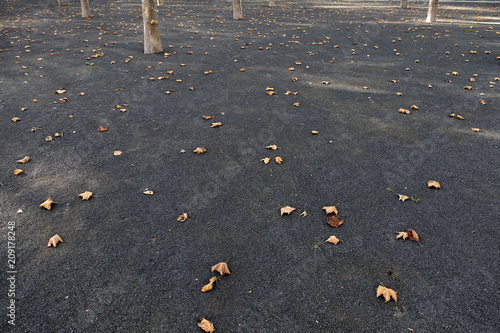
x=237, y=10
x=271, y=3
x=404, y=4
x=152, y=40
x=432, y=13
x=85, y=8
x=60, y=2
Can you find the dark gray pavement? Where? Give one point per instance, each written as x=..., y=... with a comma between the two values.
x=127, y=265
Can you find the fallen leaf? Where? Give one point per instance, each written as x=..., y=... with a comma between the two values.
x=207, y=117
x=303, y=214
x=54, y=240
x=199, y=150
x=330, y=209
x=414, y=107
x=242, y=69
x=286, y=210
x=102, y=129
x=333, y=240
x=221, y=268
x=266, y=160
x=183, y=217
x=405, y=111
x=85, y=195
x=16, y=119
x=25, y=159
x=314, y=132
x=278, y=160
x=460, y=117
x=334, y=221
x=58, y=135
x=206, y=325
x=47, y=204
x=475, y=129
x=402, y=234
x=209, y=285
x=403, y=197
x=117, y=152
x=270, y=92
x=412, y=235
x=219, y=124
x=273, y=147
x=296, y=104
x=148, y=192
x=17, y=171
x=49, y=138
x=387, y=293
x=433, y=183
x=468, y=88
x=60, y=91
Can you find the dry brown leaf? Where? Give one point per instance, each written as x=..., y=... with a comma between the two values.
x=433, y=183
x=334, y=221
x=207, y=117
x=219, y=124
x=25, y=159
x=206, y=325
x=60, y=91
x=199, y=150
x=16, y=119
x=333, y=240
x=468, y=88
x=47, y=204
x=183, y=217
x=387, y=293
x=86, y=195
x=273, y=147
x=266, y=160
x=330, y=209
x=148, y=192
x=303, y=214
x=18, y=171
x=296, y=104
x=221, y=268
x=58, y=135
x=414, y=107
x=412, y=235
x=49, y=138
x=405, y=111
x=117, y=152
x=242, y=69
x=460, y=117
x=314, y=132
x=102, y=129
x=209, y=285
x=278, y=160
x=54, y=240
x=286, y=210
x=475, y=129
x=403, y=197
x=270, y=92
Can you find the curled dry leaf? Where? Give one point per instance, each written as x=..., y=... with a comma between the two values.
x=16, y=119
x=303, y=214
x=475, y=129
x=334, y=221
x=207, y=117
x=433, y=183
x=18, y=171
x=199, y=150
x=278, y=160
x=468, y=88
x=330, y=209
x=412, y=235
x=85, y=195
x=273, y=147
x=403, y=197
x=206, y=325
x=183, y=217
x=48, y=139
x=219, y=124
x=314, y=132
x=221, y=268
x=117, y=153
x=54, y=240
x=209, y=285
x=414, y=107
x=47, y=204
x=333, y=239
x=102, y=129
x=60, y=91
x=271, y=92
x=148, y=192
x=405, y=111
x=266, y=160
x=286, y=210
x=25, y=159
x=387, y=293
x=402, y=234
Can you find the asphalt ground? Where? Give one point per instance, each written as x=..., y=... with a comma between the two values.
x=127, y=265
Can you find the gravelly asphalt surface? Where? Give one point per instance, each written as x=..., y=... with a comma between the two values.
x=127, y=265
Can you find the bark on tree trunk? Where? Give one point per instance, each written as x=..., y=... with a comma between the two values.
x=404, y=4
x=237, y=10
x=432, y=13
x=85, y=8
x=60, y=2
x=271, y=3
x=152, y=40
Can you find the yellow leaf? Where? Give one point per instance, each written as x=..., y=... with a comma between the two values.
x=54, y=240
x=330, y=209
x=47, y=204
x=303, y=214
x=221, y=268
x=85, y=195
x=206, y=326
x=387, y=293
x=286, y=210
x=333, y=240
x=23, y=160
x=266, y=160
x=17, y=171
x=209, y=285
x=433, y=183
